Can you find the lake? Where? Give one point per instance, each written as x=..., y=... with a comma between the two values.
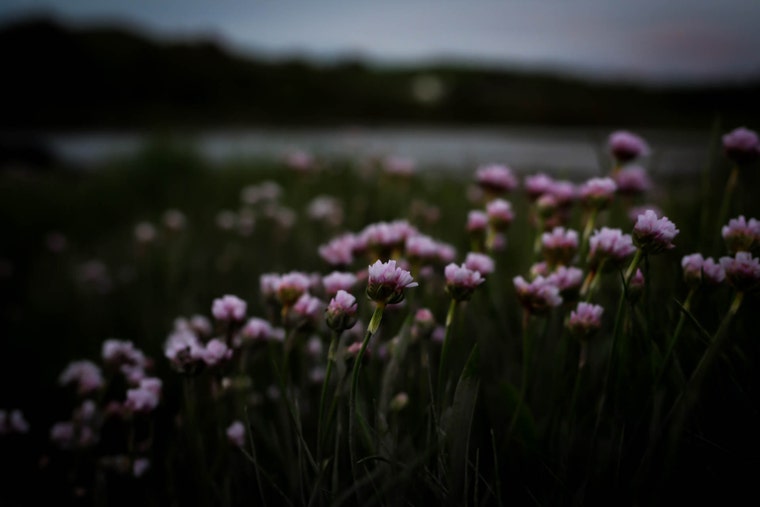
x=570, y=151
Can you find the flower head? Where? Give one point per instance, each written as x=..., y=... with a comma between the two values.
x=597, y=193
x=496, y=179
x=741, y=145
x=461, y=281
x=585, y=320
x=500, y=214
x=559, y=246
x=236, y=434
x=625, y=146
x=568, y=280
x=654, y=235
x=611, y=245
x=229, y=308
x=386, y=282
x=338, y=280
x=479, y=262
x=741, y=235
x=341, y=311
x=292, y=286
x=339, y=251
x=538, y=184
x=632, y=180
x=742, y=270
x=216, y=352
x=538, y=296
x=698, y=270
x=85, y=374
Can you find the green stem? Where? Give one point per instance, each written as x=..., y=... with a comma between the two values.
x=676, y=334
x=445, y=351
x=372, y=328
x=587, y=234
x=525, y=368
x=632, y=268
x=325, y=384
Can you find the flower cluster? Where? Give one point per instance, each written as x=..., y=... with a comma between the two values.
x=386, y=282
x=654, y=235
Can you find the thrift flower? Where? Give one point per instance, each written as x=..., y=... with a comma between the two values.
x=236, y=434
x=597, y=193
x=500, y=214
x=290, y=287
x=229, y=308
x=568, y=280
x=496, y=179
x=585, y=320
x=461, y=281
x=632, y=181
x=559, y=246
x=341, y=311
x=479, y=262
x=85, y=374
x=741, y=145
x=538, y=296
x=654, y=235
x=611, y=245
x=742, y=270
x=386, y=282
x=741, y=235
x=339, y=251
x=216, y=352
x=625, y=146
x=537, y=185
x=338, y=280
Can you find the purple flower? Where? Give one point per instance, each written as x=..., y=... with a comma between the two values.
x=632, y=181
x=341, y=311
x=338, y=280
x=216, y=352
x=609, y=244
x=568, y=280
x=626, y=146
x=538, y=296
x=236, y=434
x=598, y=193
x=559, y=246
x=385, y=238
x=399, y=166
x=654, y=235
x=500, y=214
x=424, y=323
x=585, y=320
x=564, y=193
x=185, y=351
x=741, y=235
x=477, y=221
x=697, y=270
x=85, y=374
x=141, y=400
x=292, y=286
x=496, y=179
x=712, y=272
x=300, y=161
x=537, y=185
x=386, y=282
x=140, y=466
x=479, y=262
x=421, y=248
x=741, y=145
x=15, y=423
x=461, y=281
x=229, y=308
x=339, y=251
x=742, y=270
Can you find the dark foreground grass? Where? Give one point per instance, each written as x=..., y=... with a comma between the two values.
x=516, y=425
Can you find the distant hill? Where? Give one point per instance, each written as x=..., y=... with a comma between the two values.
x=59, y=77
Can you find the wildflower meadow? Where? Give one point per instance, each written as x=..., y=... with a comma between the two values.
x=319, y=331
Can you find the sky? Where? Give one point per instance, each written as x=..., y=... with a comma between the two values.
x=683, y=41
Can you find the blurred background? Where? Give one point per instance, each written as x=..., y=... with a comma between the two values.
x=443, y=82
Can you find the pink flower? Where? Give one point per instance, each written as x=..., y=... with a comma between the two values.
x=742, y=270
x=697, y=270
x=140, y=466
x=386, y=282
x=341, y=311
x=741, y=145
x=559, y=246
x=309, y=308
x=564, y=193
x=292, y=286
x=598, y=192
x=256, y=329
x=339, y=251
x=479, y=262
x=229, y=308
x=421, y=248
x=741, y=235
x=399, y=166
x=500, y=214
x=477, y=221
x=216, y=352
x=610, y=244
x=386, y=237
x=461, y=281
x=184, y=350
x=300, y=161
x=654, y=235
x=626, y=146
x=446, y=253
x=568, y=280
x=537, y=185
x=632, y=181
x=236, y=434
x=538, y=296
x=585, y=320
x=85, y=374
x=141, y=400
x=337, y=280
x=496, y=179
x=424, y=323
